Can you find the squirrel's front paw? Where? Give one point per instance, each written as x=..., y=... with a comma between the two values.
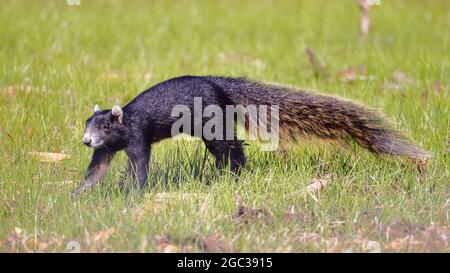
x=74, y=194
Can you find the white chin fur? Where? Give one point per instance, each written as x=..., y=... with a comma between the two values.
x=96, y=145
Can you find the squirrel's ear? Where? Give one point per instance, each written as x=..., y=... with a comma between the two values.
x=117, y=112
x=96, y=108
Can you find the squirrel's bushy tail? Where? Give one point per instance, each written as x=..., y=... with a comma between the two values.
x=305, y=114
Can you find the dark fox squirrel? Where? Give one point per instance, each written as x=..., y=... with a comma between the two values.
x=148, y=119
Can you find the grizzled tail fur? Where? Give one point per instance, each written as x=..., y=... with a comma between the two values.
x=311, y=115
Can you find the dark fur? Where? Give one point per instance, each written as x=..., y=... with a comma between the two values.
x=147, y=120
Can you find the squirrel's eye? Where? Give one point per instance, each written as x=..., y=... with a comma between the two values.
x=107, y=126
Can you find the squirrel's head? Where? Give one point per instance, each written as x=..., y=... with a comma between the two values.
x=106, y=128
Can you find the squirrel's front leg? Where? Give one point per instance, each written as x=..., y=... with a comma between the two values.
x=95, y=171
x=138, y=161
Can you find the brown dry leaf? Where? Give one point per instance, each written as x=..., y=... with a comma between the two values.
x=36, y=245
x=163, y=245
x=251, y=215
x=347, y=74
x=49, y=157
x=103, y=236
x=97, y=242
x=18, y=240
x=422, y=164
x=168, y=248
x=398, y=229
x=161, y=239
x=318, y=184
x=216, y=244
x=404, y=244
x=354, y=74
x=15, y=239
x=408, y=237
x=435, y=238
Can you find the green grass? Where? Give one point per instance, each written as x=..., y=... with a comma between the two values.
x=72, y=57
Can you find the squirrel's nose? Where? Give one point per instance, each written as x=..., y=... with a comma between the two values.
x=87, y=141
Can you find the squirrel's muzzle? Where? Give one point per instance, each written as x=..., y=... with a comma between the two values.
x=87, y=140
